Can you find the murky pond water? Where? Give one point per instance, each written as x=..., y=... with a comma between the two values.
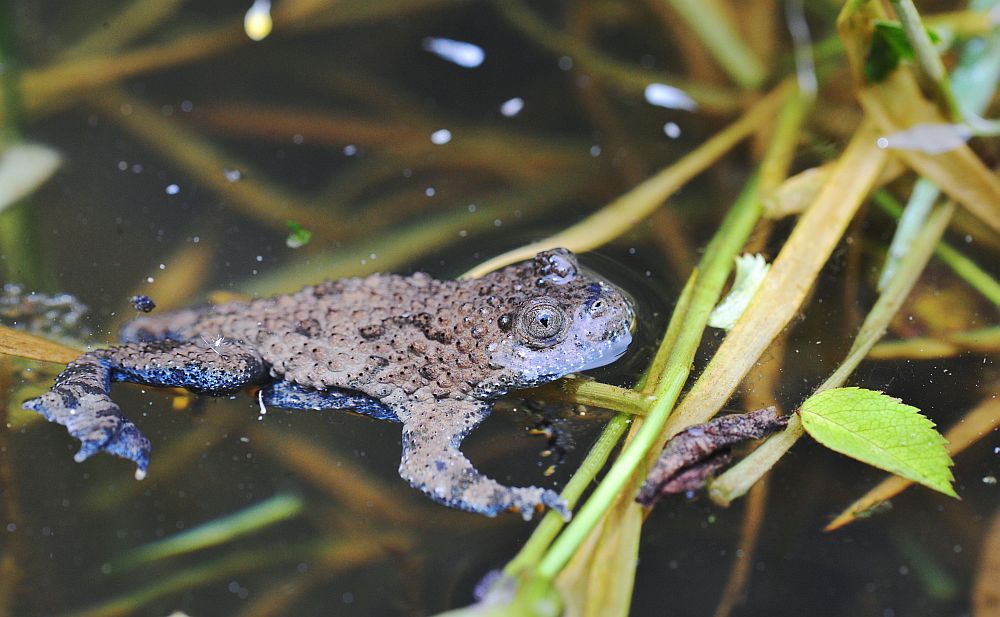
x=360, y=137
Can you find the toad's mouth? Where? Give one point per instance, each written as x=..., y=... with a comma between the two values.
x=610, y=352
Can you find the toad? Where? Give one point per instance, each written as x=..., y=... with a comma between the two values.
x=426, y=353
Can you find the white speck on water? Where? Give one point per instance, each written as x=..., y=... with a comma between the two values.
x=440, y=137
x=463, y=54
x=595, y=151
x=497, y=222
x=373, y=256
x=463, y=233
x=429, y=191
x=930, y=138
x=257, y=22
x=472, y=207
x=173, y=189
x=260, y=402
x=232, y=174
x=512, y=107
x=968, y=239
x=259, y=258
x=163, y=266
x=11, y=527
x=149, y=279
x=670, y=97
x=348, y=597
x=187, y=106
x=244, y=439
x=990, y=480
x=350, y=150
x=298, y=139
x=196, y=239
x=671, y=130
x=122, y=165
x=565, y=63
x=137, y=168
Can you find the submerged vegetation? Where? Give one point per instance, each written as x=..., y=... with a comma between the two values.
x=844, y=143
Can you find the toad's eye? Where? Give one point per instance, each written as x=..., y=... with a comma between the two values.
x=541, y=323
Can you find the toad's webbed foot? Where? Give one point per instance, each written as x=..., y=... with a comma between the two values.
x=433, y=463
x=80, y=399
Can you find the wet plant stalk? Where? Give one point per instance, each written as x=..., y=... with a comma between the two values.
x=927, y=57
x=542, y=537
x=737, y=480
x=709, y=280
x=965, y=268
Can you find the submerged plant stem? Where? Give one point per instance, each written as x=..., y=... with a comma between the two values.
x=623, y=213
x=722, y=40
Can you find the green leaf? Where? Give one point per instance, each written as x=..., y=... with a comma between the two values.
x=889, y=47
x=882, y=431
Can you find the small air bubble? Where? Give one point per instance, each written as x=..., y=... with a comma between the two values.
x=298, y=139
x=512, y=107
x=990, y=480
x=173, y=189
x=671, y=130
x=440, y=137
x=430, y=191
x=122, y=165
x=466, y=55
x=350, y=150
x=149, y=279
x=595, y=150
x=232, y=174
x=565, y=63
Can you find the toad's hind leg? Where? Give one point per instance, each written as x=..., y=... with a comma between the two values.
x=433, y=463
x=80, y=399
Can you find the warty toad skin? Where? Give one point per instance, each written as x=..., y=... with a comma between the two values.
x=429, y=354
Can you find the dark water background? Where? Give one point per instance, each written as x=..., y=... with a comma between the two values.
x=106, y=222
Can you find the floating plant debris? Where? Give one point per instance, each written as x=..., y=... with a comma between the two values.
x=693, y=455
x=298, y=236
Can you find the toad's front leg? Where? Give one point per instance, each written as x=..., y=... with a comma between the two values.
x=80, y=399
x=433, y=463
